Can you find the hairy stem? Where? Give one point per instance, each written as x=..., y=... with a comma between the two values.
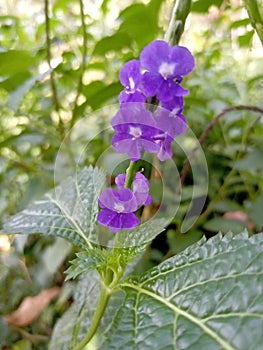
x=83, y=62
x=179, y=14
x=256, y=16
x=104, y=297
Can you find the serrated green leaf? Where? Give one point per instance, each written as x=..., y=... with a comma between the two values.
x=141, y=235
x=208, y=297
x=69, y=211
x=87, y=261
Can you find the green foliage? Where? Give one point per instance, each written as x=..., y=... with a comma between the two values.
x=69, y=211
x=207, y=297
x=208, y=288
x=199, y=298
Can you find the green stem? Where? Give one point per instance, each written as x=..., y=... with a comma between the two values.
x=104, y=297
x=52, y=78
x=255, y=15
x=83, y=62
x=130, y=174
x=175, y=29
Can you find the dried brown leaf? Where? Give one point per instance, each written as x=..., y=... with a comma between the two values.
x=31, y=307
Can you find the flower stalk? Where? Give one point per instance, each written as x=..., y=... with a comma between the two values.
x=103, y=300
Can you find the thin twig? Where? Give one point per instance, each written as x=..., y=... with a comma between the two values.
x=206, y=131
x=49, y=58
x=83, y=63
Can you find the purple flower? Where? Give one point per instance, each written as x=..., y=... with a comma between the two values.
x=171, y=122
x=130, y=78
x=165, y=64
x=135, y=127
x=140, y=188
x=164, y=141
x=118, y=209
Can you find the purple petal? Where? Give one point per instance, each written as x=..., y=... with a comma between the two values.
x=122, y=144
x=165, y=151
x=107, y=198
x=129, y=221
x=105, y=216
x=130, y=75
x=170, y=123
x=150, y=83
x=169, y=89
x=116, y=223
x=122, y=201
x=176, y=104
x=126, y=96
x=120, y=180
x=154, y=54
x=133, y=113
x=148, y=200
x=141, y=188
x=183, y=58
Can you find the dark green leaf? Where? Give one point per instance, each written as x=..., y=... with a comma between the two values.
x=256, y=211
x=224, y=225
x=68, y=211
x=208, y=297
x=140, y=235
x=87, y=261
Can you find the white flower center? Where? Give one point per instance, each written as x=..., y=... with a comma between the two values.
x=166, y=69
x=135, y=132
x=132, y=83
x=130, y=88
x=119, y=207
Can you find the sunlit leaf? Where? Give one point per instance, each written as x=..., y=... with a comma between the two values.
x=203, y=5
x=115, y=42
x=15, y=61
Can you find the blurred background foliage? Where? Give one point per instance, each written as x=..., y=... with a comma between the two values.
x=59, y=62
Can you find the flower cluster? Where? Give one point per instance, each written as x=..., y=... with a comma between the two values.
x=156, y=76
x=139, y=127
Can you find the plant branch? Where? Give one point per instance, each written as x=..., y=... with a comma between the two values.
x=209, y=127
x=202, y=139
x=255, y=16
x=52, y=78
x=102, y=303
x=179, y=14
x=83, y=63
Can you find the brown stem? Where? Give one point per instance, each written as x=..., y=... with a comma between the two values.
x=206, y=131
